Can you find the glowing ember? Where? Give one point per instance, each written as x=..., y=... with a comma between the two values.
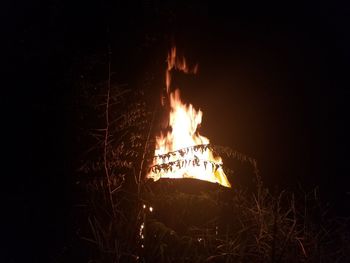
x=183, y=152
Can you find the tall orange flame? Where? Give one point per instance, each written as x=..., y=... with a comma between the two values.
x=183, y=152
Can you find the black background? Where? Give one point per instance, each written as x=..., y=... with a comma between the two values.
x=272, y=83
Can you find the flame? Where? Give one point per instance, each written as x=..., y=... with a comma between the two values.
x=179, y=64
x=183, y=152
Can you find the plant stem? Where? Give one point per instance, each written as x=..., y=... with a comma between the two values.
x=107, y=132
x=144, y=153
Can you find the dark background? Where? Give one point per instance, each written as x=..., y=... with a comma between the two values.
x=272, y=83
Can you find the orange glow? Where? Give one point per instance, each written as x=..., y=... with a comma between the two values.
x=183, y=150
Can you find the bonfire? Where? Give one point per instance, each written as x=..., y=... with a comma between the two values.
x=182, y=152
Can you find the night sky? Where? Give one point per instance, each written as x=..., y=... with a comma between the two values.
x=272, y=83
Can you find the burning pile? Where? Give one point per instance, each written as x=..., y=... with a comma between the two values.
x=183, y=152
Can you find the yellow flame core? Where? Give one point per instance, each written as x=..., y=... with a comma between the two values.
x=184, y=121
